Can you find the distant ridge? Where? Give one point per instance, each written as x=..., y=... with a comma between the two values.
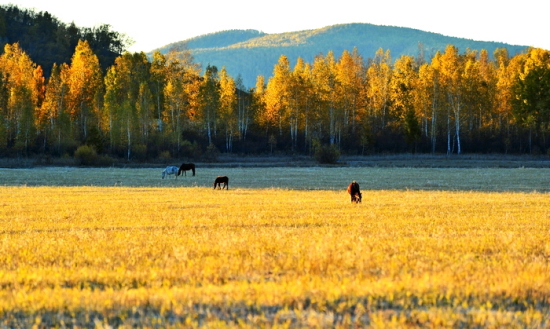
x=249, y=53
x=214, y=40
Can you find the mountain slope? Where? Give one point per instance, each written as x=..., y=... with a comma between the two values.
x=214, y=40
x=249, y=53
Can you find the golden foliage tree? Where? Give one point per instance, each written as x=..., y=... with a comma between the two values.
x=325, y=87
x=228, y=116
x=402, y=85
x=278, y=95
x=351, y=81
x=378, y=88
x=23, y=89
x=84, y=83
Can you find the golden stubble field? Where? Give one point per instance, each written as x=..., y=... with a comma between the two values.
x=147, y=255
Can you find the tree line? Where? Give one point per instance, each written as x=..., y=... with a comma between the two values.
x=142, y=108
x=453, y=103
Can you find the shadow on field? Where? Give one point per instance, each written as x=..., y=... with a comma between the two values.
x=459, y=173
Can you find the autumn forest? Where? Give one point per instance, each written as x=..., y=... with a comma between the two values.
x=144, y=107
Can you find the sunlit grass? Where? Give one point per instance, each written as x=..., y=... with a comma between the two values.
x=250, y=257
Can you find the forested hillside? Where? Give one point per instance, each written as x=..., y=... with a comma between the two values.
x=251, y=53
x=214, y=40
x=49, y=41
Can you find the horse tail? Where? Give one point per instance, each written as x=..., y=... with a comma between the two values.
x=163, y=173
x=193, y=168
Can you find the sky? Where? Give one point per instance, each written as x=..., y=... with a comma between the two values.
x=153, y=24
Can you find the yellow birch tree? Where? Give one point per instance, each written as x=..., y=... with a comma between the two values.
x=23, y=86
x=228, y=116
x=84, y=81
x=378, y=88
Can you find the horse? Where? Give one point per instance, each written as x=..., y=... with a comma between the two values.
x=186, y=166
x=354, y=192
x=170, y=170
x=221, y=179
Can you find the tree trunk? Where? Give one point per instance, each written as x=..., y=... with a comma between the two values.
x=448, y=132
x=129, y=135
x=457, y=127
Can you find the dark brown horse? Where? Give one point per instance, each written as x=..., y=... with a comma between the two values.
x=221, y=179
x=355, y=192
x=187, y=166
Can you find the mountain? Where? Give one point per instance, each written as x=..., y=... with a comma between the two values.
x=249, y=53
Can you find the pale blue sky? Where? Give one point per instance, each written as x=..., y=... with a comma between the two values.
x=154, y=24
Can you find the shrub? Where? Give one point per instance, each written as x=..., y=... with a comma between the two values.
x=190, y=150
x=139, y=152
x=328, y=154
x=165, y=156
x=105, y=160
x=211, y=153
x=85, y=155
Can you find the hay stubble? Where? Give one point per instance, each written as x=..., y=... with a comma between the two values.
x=247, y=257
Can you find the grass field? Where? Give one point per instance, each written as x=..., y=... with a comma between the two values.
x=283, y=247
x=309, y=178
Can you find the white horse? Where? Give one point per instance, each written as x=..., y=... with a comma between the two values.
x=170, y=170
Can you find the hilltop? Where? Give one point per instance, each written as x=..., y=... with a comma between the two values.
x=249, y=53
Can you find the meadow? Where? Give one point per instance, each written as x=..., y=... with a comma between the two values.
x=282, y=248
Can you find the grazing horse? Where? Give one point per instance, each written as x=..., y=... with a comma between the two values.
x=221, y=179
x=186, y=166
x=354, y=192
x=170, y=170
